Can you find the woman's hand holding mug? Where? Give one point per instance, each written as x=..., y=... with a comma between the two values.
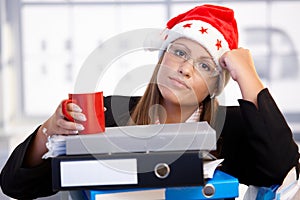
x=80, y=114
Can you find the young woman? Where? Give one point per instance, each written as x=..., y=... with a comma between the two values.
x=198, y=55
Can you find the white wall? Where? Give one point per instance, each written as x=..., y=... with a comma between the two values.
x=10, y=61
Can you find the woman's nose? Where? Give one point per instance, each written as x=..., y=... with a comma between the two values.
x=186, y=68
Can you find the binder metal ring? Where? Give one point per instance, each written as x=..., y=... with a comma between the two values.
x=162, y=170
x=208, y=190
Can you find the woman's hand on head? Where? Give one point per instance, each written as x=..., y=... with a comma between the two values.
x=57, y=124
x=239, y=63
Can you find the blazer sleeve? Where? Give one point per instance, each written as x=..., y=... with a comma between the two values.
x=261, y=149
x=25, y=183
x=20, y=182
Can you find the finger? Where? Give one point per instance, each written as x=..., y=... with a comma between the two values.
x=222, y=60
x=78, y=116
x=59, y=112
x=61, y=131
x=73, y=107
x=74, y=112
x=67, y=125
x=57, y=130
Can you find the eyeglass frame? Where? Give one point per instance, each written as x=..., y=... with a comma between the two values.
x=188, y=57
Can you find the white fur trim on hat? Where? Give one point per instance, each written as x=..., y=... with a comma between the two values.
x=203, y=33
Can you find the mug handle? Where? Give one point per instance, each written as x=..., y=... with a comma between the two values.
x=65, y=110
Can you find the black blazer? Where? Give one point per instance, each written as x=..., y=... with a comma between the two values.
x=257, y=145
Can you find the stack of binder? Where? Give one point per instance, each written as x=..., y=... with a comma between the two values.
x=135, y=157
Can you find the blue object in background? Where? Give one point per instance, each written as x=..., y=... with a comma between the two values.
x=267, y=193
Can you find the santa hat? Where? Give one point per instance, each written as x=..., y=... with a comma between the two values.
x=212, y=26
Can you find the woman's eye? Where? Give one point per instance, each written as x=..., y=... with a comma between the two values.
x=203, y=66
x=180, y=53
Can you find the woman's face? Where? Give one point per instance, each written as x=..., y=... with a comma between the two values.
x=186, y=81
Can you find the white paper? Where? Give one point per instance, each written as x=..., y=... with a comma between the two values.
x=289, y=187
x=56, y=146
x=209, y=167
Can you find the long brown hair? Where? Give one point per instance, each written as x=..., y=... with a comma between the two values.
x=145, y=111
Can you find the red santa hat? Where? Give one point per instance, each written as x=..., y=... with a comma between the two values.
x=212, y=26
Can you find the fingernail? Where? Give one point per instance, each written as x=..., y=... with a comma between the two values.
x=74, y=132
x=79, y=127
x=82, y=117
x=77, y=108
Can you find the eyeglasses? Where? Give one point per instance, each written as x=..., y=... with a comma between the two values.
x=203, y=65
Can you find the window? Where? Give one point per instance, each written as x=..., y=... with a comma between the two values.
x=58, y=36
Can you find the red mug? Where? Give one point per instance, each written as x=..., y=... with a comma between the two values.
x=92, y=106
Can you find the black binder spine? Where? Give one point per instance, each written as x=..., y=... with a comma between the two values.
x=145, y=170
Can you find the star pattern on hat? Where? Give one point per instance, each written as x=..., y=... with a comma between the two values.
x=218, y=44
x=187, y=25
x=203, y=30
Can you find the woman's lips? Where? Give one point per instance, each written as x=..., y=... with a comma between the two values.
x=179, y=83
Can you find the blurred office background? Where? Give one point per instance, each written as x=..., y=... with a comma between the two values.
x=44, y=43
